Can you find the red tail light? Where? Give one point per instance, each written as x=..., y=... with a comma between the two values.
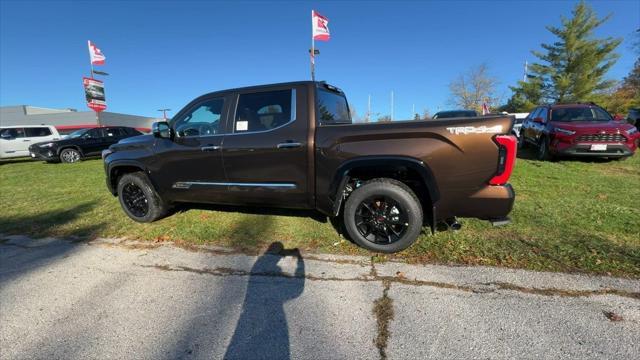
x=507, y=145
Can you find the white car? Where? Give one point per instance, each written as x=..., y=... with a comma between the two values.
x=15, y=140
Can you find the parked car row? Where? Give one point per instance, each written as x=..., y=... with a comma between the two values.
x=45, y=143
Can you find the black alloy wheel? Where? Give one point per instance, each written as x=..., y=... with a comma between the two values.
x=138, y=198
x=135, y=200
x=383, y=215
x=381, y=220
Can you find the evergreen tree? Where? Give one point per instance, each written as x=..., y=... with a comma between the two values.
x=573, y=67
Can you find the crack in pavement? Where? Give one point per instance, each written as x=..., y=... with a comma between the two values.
x=383, y=311
x=481, y=288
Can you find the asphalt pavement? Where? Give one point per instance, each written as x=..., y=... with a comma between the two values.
x=117, y=299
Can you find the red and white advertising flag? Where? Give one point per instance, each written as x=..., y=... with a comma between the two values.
x=97, y=57
x=94, y=94
x=485, y=109
x=320, y=26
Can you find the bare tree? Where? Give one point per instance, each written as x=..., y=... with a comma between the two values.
x=473, y=88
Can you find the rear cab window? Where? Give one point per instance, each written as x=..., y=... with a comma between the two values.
x=332, y=106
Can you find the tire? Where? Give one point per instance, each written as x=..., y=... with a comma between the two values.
x=70, y=155
x=543, y=153
x=138, y=198
x=383, y=215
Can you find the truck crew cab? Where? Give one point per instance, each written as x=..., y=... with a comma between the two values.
x=294, y=145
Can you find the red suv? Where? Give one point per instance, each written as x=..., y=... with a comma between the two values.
x=577, y=130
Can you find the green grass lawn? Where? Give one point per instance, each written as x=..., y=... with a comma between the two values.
x=577, y=216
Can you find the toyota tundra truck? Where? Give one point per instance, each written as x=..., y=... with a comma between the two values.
x=294, y=145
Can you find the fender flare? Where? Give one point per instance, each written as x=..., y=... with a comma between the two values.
x=126, y=163
x=341, y=176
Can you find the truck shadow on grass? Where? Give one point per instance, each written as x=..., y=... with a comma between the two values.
x=21, y=255
x=258, y=221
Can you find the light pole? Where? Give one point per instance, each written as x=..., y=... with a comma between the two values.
x=164, y=113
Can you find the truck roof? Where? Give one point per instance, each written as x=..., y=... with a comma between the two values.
x=266, y=86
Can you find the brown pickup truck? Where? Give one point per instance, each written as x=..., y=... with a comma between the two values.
x=294, y=145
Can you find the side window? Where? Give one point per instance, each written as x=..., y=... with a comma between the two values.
x=264, y=110
x=37, y=132
x=202, y=120
x=533, y=114
x=543, y=114
x=94, y=133
x=114, y=132
x=12, y=133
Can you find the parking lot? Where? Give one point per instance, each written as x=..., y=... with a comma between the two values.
x=121, y=299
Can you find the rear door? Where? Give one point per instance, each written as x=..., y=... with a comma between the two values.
x=93, y=142
x=189, y=166
x=265, y=155
x=13, y=143
x=113, y=135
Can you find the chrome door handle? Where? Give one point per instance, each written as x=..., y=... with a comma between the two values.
x=210, y=148
x=25, y=140
x=289, y=145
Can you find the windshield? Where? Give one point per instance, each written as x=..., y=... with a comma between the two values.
x=579, y=114
x=77, y=133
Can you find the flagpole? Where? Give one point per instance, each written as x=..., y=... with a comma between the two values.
x=90, y=62
x=313, y=52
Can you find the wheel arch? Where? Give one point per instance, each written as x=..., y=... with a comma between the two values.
x=117, y=169
x=413, y=172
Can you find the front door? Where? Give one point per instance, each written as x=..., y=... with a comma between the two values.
x=265, y=155
x=189, y=166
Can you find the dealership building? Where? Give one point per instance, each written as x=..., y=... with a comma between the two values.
x=68, y=120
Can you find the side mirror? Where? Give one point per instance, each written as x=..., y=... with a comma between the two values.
x=618, y=117
x=161, y=129
x=7, y=136
x=538, y=120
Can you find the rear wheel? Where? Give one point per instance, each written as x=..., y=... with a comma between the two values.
x=138, y=198
x=70, y=155
x=383, y=215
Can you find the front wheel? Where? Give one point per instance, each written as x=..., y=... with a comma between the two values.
x=138, y=198
x=69, y=156
x=383, y=215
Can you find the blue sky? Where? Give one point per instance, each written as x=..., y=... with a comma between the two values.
x=165, y=53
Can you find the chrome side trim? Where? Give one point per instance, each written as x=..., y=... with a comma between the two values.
x=189, y=184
